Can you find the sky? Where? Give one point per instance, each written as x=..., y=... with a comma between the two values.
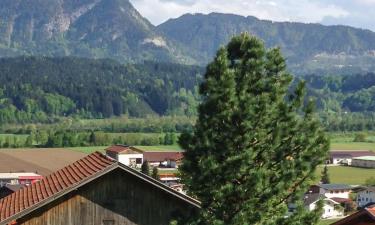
x=357, y=13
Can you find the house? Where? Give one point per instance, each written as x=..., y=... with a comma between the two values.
x=9, y=189
x=364, y=161
x=365, y=196
x=126, y=155
x=345, y=157
x=365, y=216
x=331, y=208
x=96, y=190
x=331, y=190
x=166, y=159
x=19, y=178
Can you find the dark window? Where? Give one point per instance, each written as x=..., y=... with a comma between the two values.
x=139, y=160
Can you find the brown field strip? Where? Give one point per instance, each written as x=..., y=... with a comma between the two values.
x=42, y=161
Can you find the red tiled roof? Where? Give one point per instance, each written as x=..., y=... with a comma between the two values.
x=123, y=149
x=54, y=183
x=162, y=156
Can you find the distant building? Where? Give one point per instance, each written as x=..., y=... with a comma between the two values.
x=166, y=159
x=19, y=178
x=364, y=161
x=9, y=189
x=126, y=155
x=331, y=190
x=365, y=196
x=96, y=190
x=345, y=157
x=331, y=208
x=363, y=217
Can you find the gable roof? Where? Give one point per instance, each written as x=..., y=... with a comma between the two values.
x=123, y=149
x=335, y=186
x=368, y=212
x=350, y=154
x=64, y=181
x=162, y=156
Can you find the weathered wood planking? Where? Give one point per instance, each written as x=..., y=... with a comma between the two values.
x=116, y=198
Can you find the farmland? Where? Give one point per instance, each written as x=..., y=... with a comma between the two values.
x=42, y=161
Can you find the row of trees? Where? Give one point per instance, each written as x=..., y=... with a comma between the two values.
x=75, y=139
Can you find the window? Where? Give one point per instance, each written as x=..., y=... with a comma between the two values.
x=108, y=222
x=139, y=160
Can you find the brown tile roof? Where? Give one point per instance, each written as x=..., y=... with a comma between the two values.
x=52, y=184
x=162, y=156
x=123, y=149
x=63, y=181
x=355, y=218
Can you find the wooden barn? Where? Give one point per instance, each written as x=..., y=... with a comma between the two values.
x=96, y=190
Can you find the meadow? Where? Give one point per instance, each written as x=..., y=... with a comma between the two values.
x=346, y=174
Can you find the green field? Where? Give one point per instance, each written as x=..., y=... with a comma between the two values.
x=155, y=148
x=347, y=175
x=327, y=222
x=352, y=146
x=160, y=148
x=88, y=150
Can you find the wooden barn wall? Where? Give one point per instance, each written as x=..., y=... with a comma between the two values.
x=114, y=199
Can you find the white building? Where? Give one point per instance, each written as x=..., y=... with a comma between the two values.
x=19, y=178
x=331, y=209
x=345, y=157
x=126, y=155
x=335, y=190
x=364, y=161
x=365, y=196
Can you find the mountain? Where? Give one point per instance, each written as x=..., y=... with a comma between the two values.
x=85, y=28
x=308, y=47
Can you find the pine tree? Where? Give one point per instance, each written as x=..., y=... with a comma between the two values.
x=255, y=145
x=155, y=173
x=145, y=169
x=325, y=176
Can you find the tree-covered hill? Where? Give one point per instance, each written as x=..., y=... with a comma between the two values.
x=308, y=47
x=40, y=89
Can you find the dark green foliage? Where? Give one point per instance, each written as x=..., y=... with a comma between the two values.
x=145, y=168
x=325, y=176
x=370, y=181
x=360, y=137
x=254, y=146
x=42, y=89
x=155, y=173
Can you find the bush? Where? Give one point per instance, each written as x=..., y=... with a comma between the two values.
x=360, y=137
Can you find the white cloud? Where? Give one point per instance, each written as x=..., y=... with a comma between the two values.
x=158, y=11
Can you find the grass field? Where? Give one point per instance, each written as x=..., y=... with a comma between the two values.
x=327, y=222
x=160, y=148
x=347, y=175
x=88, y=150
x=352, y=146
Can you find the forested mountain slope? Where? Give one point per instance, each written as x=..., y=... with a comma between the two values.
x=40, y=89
x=308, y=47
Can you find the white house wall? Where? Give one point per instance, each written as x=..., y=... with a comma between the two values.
x=125, y=158
x=365, y=197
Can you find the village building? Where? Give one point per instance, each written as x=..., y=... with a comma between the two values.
x=96, y=190
x=19, y=178
x=365, y=196
x=9, y=189
x=331, y=208
x=163, y=159
x=345, y=157
x=331, y=190
x=364, y=161
x=127, y=155
x=363, y=217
